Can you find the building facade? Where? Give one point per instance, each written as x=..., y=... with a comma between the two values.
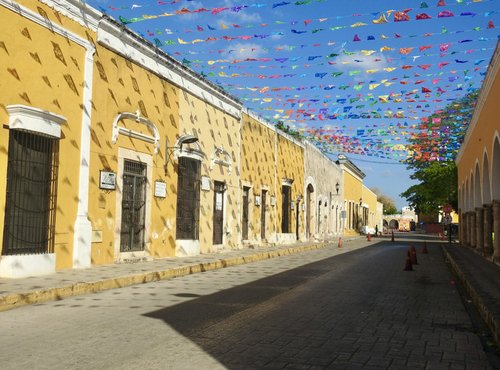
x=112, y=151
x=352, y=196
x=478, y=163
x=258, y=181
x=324, y=189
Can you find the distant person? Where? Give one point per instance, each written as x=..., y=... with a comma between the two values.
x=376, y=230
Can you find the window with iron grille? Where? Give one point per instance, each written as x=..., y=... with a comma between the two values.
x=188, y=199
x=286, y=192
x=31, y=194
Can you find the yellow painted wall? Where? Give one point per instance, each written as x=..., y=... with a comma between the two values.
x=44, y=70
x=258, y=164
x=122, y=86
x=290, y=165
x=370, y=199
x=483, y=134
x=353, y=187
x=214, y=128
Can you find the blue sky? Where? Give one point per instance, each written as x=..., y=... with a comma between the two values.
x=320, y=66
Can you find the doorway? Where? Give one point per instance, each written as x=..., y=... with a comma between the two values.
x=263, y=215
x=133, y=206
x=244, y=221
x=219, y=188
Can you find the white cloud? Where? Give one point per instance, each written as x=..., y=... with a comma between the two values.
x=244, y=50
x=359, y=61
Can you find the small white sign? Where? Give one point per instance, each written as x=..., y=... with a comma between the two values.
x=205, y=183
x=273, y=200
x=257, y=200
x=218, y=201
x=160, y=189
x=107, y=180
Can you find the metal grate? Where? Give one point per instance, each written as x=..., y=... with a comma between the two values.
x=188, y=199
x=133, y=206
x=29, y=226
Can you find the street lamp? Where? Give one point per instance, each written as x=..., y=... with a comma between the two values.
x=337, y=187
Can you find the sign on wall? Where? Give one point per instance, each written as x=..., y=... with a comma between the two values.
x=160, y=189
x=107, y=180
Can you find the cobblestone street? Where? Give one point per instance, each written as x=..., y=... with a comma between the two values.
x=314, y=310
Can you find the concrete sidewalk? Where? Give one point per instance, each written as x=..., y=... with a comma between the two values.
x=481, y=279
x=18, y=292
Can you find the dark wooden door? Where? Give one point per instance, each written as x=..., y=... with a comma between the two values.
x=244, y=220
x=218, y=211
x=133, y=207
x=263, y=215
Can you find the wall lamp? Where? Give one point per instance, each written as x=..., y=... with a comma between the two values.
x=185, y=139
x=337, y=187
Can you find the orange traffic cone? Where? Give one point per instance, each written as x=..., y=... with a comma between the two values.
x=368, y=237
x=339, y=245
x=424, y=248
x=392, y=236
x=413, y=255
x=408, y=266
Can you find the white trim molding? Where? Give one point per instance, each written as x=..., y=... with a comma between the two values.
x=22, y=266
x=117, y=130
x=76, y=10
x=22, y=117
x=221, y=157
x=138, y=50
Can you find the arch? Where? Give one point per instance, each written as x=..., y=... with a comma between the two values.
x=394, y=224
x=309, y=206
x=477, y=187
x=117, y=130
x=495, y=168
x=468, y=193
x=486, y=180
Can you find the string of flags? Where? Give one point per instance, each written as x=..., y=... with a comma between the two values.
x=363, y=83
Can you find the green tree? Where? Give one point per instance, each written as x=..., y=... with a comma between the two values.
x=388, y=203
x=437, y=186
x=280, y=125
x=435, y=148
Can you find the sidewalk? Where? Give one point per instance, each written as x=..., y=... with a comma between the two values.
x=18, y=292
x=481, y=279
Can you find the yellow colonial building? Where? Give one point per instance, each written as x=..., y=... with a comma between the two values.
x=478, y=163
x=46, y=83
x=353, y=196
x=112, y=151
x=272, y=179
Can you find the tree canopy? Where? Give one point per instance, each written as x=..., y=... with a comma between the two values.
x=436, y=149
x=388, y=203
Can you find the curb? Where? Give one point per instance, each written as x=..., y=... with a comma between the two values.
x=488, y=317
x=14, y=300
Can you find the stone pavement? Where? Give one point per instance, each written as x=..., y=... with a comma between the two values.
x=481, y=279
x=18, y=292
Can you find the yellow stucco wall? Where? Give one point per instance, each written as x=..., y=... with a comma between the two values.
x=290, y=165
x=353, y=187
x=122, y=86
x=258, y=165
x=479, y=142
x=43, y=70
x=353, y=191
x=215, y=129
x=370, y=200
